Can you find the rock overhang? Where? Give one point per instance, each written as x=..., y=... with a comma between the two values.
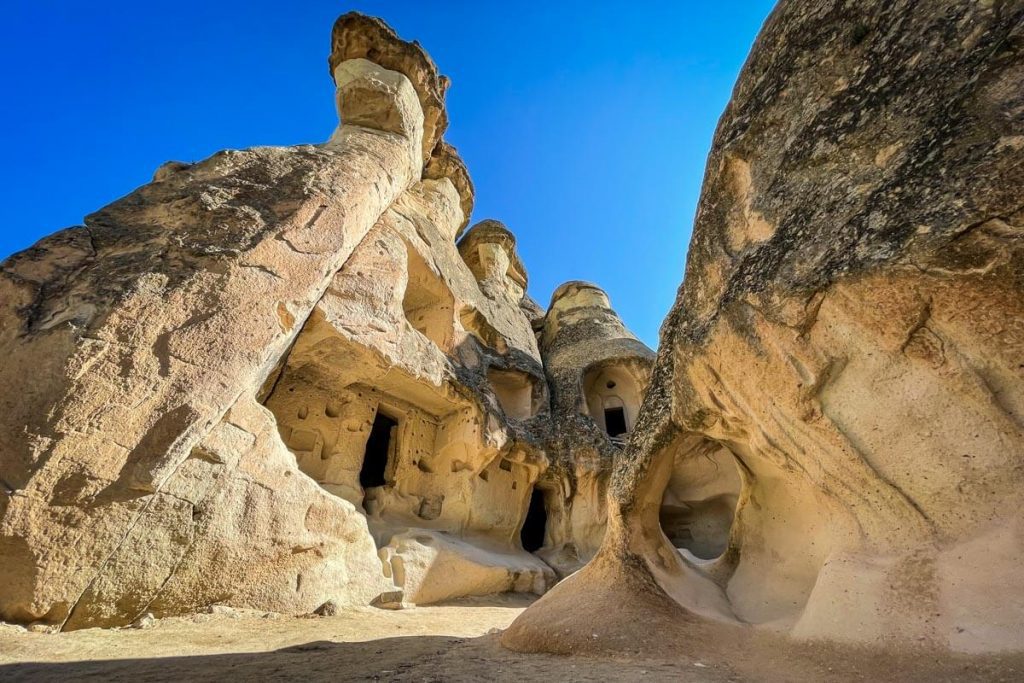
x=358, y=36
x=491, y=231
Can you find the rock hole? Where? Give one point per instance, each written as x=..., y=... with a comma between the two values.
x=702, y=528
x=699, y=504
x=428, y=305
x=612, y=397
x=514, y=391
x=535, y=524
x=615, y=421
x=375, y=459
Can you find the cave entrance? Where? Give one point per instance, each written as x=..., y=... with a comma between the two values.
x=514, y=391
x=612, y=398
x=615, y=421
x=699, y=503
x=378, y=446
x=535, y=524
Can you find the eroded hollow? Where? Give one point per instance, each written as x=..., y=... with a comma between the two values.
x=615, y=420
x=428, y=304
x=612, y=397
x=699, y=503
x=535, y=524
x=515, y=392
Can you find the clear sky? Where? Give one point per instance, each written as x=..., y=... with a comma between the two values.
x=585, y=125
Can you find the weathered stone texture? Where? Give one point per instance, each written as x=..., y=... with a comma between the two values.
x=593, y=365
x=273, y=379
x=134, y=337
x=847, y=346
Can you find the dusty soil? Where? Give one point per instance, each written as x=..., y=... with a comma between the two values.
x=455, y=642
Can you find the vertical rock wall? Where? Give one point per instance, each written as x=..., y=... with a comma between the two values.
x=850, y=336
x=595, y=367
x=139, y=471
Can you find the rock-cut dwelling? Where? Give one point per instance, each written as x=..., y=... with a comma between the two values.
x=299, y=360
x=287, y=376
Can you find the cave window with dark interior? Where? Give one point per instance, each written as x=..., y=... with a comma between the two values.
x=375, y=460
x=532, y=534
x=615, y=421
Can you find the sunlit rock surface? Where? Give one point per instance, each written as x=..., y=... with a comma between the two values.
x=279, y=378
x=832, y=443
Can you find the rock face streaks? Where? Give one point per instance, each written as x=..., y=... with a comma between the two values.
x=136, y=455
x=295, y=379
x=847, y=347
x=280, y=378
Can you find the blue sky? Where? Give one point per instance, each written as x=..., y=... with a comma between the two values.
x=585, y=125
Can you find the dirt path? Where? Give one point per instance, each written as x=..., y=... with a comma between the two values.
x=448, y=643
x=445, y=643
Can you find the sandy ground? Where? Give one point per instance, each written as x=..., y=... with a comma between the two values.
x=444, y=643
x=455, y=642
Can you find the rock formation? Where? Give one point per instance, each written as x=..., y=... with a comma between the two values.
x=844, y=364
x=597, y=371
x=295, y=379
x=278, y=379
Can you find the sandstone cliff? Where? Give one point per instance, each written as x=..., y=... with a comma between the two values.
x=284, y=377
x=844, y=364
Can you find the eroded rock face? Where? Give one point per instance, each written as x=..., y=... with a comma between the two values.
x=357, y=36
x=597, y=370
x=140, y=470
x=135, y=459
x=846, y=352
x=284, y=379
x=422, y=401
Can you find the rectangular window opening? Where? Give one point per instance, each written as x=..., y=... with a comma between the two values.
x=375, y=459
x=614, y=421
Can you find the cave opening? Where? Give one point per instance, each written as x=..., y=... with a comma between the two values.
x=612, y=398
x=615, y=421
x=514, y=391
x=698, y=507
x=701, y=527
x=378, y=446
x=535, y=525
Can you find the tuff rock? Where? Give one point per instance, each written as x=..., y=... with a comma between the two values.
x=297, y=380
x=831, y=446
x=277, y=379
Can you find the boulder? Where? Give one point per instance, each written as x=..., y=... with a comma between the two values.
x=433, y=567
